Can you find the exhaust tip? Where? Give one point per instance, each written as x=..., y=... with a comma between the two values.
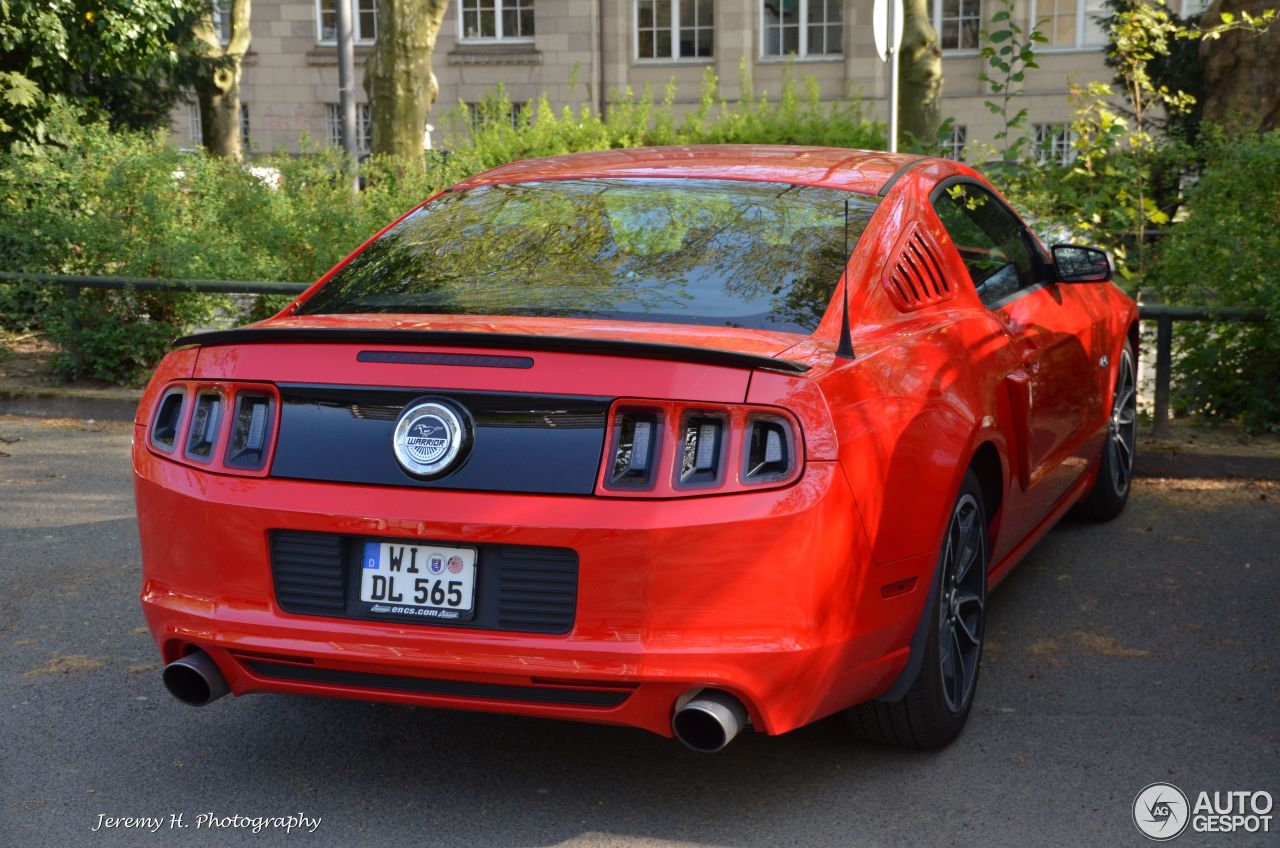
x=194, y=679
x=709, y=721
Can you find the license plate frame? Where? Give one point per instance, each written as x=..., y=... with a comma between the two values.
x=420, y=581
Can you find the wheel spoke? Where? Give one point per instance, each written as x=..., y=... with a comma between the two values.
x=960, y=678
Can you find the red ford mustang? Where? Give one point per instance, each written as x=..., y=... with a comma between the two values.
x=688, y=439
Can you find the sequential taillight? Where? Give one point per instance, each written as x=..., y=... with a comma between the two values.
x=230, y=427
x=635, y=443
x=702, y=449
x=250, y=426
x=770, y=451
x=203, y=433
x=168, y=418
x=663, y=449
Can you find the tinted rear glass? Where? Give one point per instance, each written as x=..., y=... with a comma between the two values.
x=711, y=252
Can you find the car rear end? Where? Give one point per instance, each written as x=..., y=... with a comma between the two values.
x=640, y=517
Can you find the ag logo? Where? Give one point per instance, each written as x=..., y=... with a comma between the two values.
x=1161, y=811
x=428, y=438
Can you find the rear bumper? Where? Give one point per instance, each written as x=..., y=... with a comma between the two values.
x=772, y=596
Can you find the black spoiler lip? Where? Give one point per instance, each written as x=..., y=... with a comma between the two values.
x=504, y=341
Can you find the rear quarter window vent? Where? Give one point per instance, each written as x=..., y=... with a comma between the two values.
x=914, y=278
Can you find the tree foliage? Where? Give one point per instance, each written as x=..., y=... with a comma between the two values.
x=123, y=60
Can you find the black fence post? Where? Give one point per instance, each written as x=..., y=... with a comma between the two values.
x=72, y=293
x=1164, y=369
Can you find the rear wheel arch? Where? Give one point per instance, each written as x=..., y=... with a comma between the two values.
x=986, y=464
x=989, y=468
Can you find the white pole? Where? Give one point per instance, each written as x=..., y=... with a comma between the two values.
x=346, y=84
x=892, y=53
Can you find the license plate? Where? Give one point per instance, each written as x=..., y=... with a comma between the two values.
x=423, y=580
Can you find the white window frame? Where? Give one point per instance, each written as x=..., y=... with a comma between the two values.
x=222, y=20
x=499, y=37
x=195, y=122
x=937, y=27
x=1084, y=20
x=956, y=143
x=674, y=28
x=1054, y=144
x=356, y=17
x=803, y=54
x=333, y=126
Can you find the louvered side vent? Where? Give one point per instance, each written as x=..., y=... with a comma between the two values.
x=308, y=572
x=538, y=589
x=916, y=280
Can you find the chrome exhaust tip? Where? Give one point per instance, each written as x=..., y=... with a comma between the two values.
x=709, y=720
x=195, y=679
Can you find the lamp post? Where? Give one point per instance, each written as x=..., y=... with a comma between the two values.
x=346, y=81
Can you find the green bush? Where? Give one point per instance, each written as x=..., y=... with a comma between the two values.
x=129, y=204
x=1226, y=254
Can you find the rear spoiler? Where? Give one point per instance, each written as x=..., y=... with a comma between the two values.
x=504, y=341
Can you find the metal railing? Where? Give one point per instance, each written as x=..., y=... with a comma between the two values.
x=1163, y=315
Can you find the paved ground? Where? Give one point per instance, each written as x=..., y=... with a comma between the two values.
x=1120, y=655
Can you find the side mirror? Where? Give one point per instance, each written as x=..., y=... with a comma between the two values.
x=1077, y=264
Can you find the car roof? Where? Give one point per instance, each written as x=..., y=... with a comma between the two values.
x=863, y=171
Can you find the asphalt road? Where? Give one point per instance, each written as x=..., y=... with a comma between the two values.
x=1140, y=651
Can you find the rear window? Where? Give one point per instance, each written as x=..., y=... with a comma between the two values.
x=711, y=252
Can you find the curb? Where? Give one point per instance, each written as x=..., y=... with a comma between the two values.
x=69, y=403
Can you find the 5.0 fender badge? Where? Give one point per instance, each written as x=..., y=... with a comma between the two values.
x=429, y=438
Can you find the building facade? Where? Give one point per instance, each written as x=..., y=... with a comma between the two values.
x=580, y=52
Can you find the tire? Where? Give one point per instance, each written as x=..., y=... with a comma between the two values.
x=1110, y=491
x=936, y=706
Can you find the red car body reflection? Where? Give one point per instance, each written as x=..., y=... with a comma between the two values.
x=798, y=598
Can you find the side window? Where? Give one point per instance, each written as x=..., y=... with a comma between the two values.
x=990, y=240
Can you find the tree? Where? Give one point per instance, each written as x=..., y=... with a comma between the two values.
x=398, y=77
x=920, y=69
x=218, y=85
x=1242, y=65
x=123, y=60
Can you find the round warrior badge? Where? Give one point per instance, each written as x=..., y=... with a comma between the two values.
x=428, y=438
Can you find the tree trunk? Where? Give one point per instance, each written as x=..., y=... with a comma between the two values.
x=920, y=75
x=1242, y=70
x=398, y=77
x=218, y=90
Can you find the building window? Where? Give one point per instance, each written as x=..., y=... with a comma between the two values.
x=489, y=112
x=1055, y=144
x=195, y=123
x=957, y=23
x=222, y=20
x=244, y=125
x=495, y=20
x=953, y=146
x=365, y=23
x=801, y=28
x=1072, y=24
x=673, y=29
x=364, y=126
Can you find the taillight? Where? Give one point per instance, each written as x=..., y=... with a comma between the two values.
x=230, y=427
x=249, y=427
x=168, y=419
x=770, y=450
x=671, y=449
x=702, y=449
x=635, y=449
x=203, y=432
